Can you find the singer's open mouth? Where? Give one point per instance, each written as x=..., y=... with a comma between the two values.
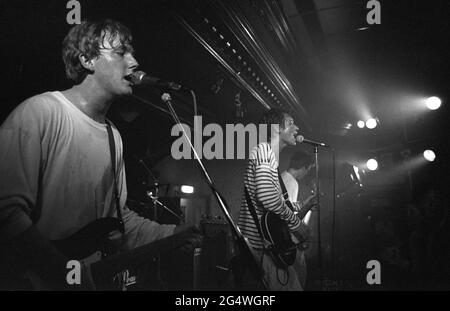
x=128, y=77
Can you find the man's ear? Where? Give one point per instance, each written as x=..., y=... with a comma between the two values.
x=284, y=125
x=275, y=129
x=87, y=63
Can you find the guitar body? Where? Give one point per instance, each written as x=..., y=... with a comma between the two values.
x=91, y=247
x=90, y=239
x=282, y=248
x=88, y=245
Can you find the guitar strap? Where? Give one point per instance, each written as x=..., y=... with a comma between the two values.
x=285, y=193
x=112, y=149
x=252, y=210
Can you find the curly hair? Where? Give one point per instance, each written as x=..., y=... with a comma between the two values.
x=273, y=116
x=87, y=39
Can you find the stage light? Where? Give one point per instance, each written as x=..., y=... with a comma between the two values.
x=349, y=181
x=429, y=155
x=433, y=103
x=372, y=164
x=356, y=170
x=361, y=124
x=187, y=189
x=371, y=123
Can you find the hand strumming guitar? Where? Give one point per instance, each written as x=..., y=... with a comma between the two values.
x=195, y=238
x=303, y=234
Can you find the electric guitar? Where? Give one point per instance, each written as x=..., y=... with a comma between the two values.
x=282, y=243
x=91, y=246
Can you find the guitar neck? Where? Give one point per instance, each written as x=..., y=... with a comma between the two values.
x=109, y=266
x=304, y=210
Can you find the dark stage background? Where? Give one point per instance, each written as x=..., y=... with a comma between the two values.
x=322, y=67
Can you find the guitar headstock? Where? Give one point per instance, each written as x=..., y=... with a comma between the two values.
x=313, y=190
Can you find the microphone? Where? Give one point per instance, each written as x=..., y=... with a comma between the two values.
x=141, y=78
x=301, y=139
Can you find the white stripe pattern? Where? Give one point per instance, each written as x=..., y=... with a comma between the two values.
x=263, y=186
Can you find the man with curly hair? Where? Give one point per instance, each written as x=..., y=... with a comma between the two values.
x=56, y=171
x=264, y=193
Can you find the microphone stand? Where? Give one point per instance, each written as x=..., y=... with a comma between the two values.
x=244, y=245
x=154, y=197
x=156, y=203
x=319, y=239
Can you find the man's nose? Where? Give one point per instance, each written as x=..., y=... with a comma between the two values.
x=133, y=64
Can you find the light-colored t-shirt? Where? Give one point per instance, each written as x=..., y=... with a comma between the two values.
x=291, y=185
x=55, y=171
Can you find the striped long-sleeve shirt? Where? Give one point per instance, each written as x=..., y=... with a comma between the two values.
x=263, y=186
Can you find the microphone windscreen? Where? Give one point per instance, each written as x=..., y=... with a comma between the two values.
x=136, y=77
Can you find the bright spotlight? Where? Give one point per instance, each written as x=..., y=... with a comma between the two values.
x=429, y=155
x=371, y=123
x=187, y=189
x=433, y=103
x=372, y=164
x=356, y=170
x=361, y=124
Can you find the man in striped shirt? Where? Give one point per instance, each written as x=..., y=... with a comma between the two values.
x=263, y=186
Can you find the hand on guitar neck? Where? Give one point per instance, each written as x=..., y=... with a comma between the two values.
x=305, y=206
